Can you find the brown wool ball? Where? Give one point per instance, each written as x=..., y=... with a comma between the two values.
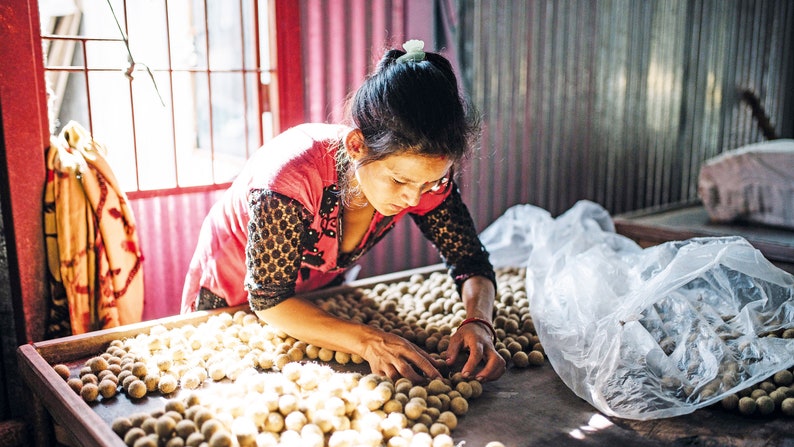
x=62, y=371
x=783, y=378
x=149, y=425
x=210, y=427
x=97, y=364
x=295, y=354
x=185, y=428
x=121, y=426
x=202, y=415
x=326, y=355
x=136, y=389
x=89, y=392
x=192, y=400
x=175, y=405
x=151, y=381
x=464, y=388
x=787, y=406
x=459, y=406
x=194, y=440
x=75, y=384
x=176, y=441
x=476, y=388
x=520, y=359
x=730, y=402
x=437, y=386
x=165, y=426
x=437, y=429
x=221, y=438
x=536, y=358
x=133, y=435
x=137, y=418
x=768, y=386
x=139, y=369
x=755, y=394
x=146, y=441
x=167, y=384
x=128, y=380
x=107, y=388
x=747, y=405
x=89, y=378
x=417, y=391
x=765, y=405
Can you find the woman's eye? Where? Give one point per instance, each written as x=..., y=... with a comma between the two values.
x=397, y=181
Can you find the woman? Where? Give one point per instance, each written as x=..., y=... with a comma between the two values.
x=313, y=200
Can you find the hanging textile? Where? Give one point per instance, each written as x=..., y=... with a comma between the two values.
x=93, y=253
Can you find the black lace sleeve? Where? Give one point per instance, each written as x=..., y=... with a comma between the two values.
x=451, y=230
x=273, y=251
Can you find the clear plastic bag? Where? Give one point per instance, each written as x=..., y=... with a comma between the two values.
x=646, y=333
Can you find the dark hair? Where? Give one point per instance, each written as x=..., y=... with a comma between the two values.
x=414, y=106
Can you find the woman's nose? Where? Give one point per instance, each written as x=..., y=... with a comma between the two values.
x=411, y=195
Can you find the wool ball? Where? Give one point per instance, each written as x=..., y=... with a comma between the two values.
x=97, y=364
x=107, y=388
x=787, y=406
x=221, y=438
x=476, y=388
x=536, y=358
x=459, y=406
x=443, y=440
x=783, y=378
x=176, y=441
x=765, y=405
x=165, y=426
x=75, y=384
x=747, y=405
x=62, y=371
x=133, y=435
x=194, y=440
x=185, y=428
x=136, y=389
x=90, y=378
x=464, y=388
x=167, y=384
x=121, y=426
x=520, y=359
x=210, y=427
x=730, y=402
x=326, y=355
x=89, y=392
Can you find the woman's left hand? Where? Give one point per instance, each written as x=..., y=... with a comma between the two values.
x=477, y=339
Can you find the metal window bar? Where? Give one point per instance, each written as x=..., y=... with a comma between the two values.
x=208, y=70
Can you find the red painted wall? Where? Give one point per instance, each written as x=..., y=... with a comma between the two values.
x=22, y=174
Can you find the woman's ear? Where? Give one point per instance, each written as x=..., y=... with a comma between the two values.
x=354, y=144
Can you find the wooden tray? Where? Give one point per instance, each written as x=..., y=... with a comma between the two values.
x=526, y=407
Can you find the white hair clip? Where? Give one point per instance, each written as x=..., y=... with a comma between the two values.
x=414, y=51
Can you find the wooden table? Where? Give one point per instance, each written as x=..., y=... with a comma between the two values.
x=685, y=221
x=526, y=407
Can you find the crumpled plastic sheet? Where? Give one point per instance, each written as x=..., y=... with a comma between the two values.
x=646, y=333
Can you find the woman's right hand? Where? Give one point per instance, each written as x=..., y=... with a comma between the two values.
x=393, y=356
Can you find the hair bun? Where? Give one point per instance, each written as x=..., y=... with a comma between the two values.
x=414, y=51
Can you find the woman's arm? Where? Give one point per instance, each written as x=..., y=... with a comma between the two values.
x=387, y=354
x=451, y=229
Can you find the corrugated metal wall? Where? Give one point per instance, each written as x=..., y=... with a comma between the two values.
x=615, y=101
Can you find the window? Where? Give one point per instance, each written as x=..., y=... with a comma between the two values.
x=177, y=90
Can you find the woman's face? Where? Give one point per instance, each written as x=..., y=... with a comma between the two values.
x=398, y=181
